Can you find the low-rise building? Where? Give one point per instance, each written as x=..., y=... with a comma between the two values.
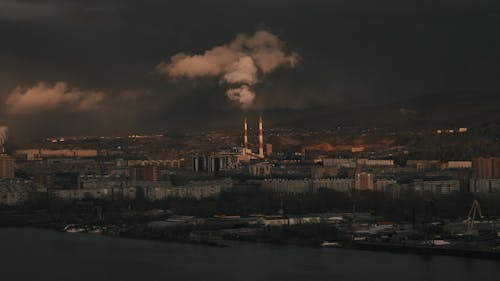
x=337, y=184
x=364, y=181
x=289, y=220
x=436, y=186
x=457, y=165
x=262, y=169
x=374, y=162
x=15, y=192
x=321, y=172
x=485, y=185
x=384, y=184
x=99, y=181
x=288, y=186
x=144, y=173
x=194, y=189
x=343, y=185
x=34, y=154
x=94, y=193
x=339, y=163
x=388, y=186
x=167, y=164
x=423, y=165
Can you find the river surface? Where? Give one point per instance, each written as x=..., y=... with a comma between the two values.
x=37, y=255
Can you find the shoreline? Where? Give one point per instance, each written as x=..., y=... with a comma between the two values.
x=214, y=237
x=421, y=250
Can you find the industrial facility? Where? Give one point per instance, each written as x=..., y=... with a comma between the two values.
x=232, y=159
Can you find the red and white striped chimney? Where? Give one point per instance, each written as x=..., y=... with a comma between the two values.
x=245, y=126
x=261, y=138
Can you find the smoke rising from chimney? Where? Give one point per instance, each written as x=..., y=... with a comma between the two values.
x=3, y=132
x=239, y=64
x=243, y=95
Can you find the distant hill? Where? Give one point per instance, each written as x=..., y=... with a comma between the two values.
x=430, y=111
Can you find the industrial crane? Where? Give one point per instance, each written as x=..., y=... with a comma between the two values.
x=471, y=217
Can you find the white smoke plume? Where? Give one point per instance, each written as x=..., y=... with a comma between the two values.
x=242, y=95
x=44, y=96
x=3, y=133
x=239, y=63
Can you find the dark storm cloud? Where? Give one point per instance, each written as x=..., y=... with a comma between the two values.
x=24, y=10
x=356, y=54
x=32, y=10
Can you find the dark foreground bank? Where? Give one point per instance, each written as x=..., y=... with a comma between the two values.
x=218, y=232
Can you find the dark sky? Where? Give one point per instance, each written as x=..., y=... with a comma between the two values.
x=409, y=60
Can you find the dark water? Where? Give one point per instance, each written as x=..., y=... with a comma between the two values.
x=37, y=255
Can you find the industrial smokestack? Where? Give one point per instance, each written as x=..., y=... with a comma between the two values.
x=246, y=136
x=3, y=139
x=261, y=138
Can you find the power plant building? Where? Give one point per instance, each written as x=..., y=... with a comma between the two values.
x=227, y=161
x=214, y=163
x=247, y=153
x=262, y=169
